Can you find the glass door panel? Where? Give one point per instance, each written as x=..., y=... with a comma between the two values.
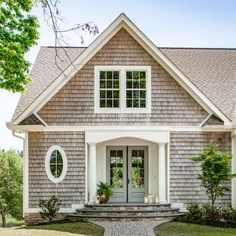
x=137, y=173
x=116, y=172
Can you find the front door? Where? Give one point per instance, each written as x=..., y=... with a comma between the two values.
x=127, y=172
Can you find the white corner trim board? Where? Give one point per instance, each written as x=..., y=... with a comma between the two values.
x=122, y=22
x=47, y=164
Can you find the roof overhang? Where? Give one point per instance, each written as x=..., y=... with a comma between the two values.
x=122, y=22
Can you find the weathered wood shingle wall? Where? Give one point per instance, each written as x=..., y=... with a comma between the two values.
x=74, y=103
x=184, y=185
x=72, y=189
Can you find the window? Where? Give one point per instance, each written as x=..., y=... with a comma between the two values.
x=122, y=89
x=56, y=164
x=136, y=89
x=109, y=82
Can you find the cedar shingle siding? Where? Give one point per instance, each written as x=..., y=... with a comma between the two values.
x=72, y=189
x=184, y=185
x=74, y=103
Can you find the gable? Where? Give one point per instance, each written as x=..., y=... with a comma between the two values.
x=74, y=103
x=37, y=100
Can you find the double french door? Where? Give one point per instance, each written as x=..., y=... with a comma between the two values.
x=127, y=172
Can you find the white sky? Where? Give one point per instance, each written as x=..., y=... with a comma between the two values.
x=183, y=23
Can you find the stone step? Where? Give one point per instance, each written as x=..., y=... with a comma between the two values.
x=117, y=216
x=97, y=211
x=125, y=211
x=115, y=207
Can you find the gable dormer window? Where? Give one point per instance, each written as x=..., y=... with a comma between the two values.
x=122, y=89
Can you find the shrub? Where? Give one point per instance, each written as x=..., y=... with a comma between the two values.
x=49, y=207
x=229, y=215
x=194, y=212
x=215, y=172
x=211, y=213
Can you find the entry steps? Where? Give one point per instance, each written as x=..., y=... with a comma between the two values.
x=125, y=211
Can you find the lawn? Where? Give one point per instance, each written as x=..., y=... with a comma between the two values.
x=81, y=228
x=11, y=221
x=183, y=229
x=71, y=227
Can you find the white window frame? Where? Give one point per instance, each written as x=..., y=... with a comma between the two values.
x=47, y=164
x=122, y=86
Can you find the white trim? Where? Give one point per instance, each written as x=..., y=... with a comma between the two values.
x=233, y=169
x=99, y=136
x=39, y=117
x=168, y=169
x=26, y=174
x=122, y=88
x=35, y=128
x=86, y=172
x=122, y=21
x=205, y=120
x=47, y=164
x=173, y=70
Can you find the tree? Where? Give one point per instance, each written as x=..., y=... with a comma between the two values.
x=215, y=172
x=11, y=185
x=18, y=32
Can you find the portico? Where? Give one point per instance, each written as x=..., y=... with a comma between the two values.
x=140, y=157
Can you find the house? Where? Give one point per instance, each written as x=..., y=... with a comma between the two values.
x=126, y=112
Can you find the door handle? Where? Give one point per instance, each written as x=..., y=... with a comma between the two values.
x=128, y=181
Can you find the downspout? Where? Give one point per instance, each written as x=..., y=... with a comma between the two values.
x=25, y=170
x=17, y=136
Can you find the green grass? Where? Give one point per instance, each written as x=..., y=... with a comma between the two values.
x=11, y=221
x=71, y=227
x=185, y=229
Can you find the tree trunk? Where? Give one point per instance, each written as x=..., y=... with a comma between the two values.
x=3, y=213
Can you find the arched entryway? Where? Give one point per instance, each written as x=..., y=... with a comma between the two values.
x=135, y=163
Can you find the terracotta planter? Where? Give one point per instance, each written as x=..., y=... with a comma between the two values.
x=103, y=199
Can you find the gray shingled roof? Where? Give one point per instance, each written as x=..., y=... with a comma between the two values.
x=44, y=72
x=213, y=71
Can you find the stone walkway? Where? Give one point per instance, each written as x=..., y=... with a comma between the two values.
x=130, y=228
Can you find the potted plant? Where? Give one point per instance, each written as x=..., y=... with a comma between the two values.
x=104, y=192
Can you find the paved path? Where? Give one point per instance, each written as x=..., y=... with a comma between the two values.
x=30, y=232
x=130, y=228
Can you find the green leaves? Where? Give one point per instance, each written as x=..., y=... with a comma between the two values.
x=11, y=183
x=49, y=207
x=18, y=32
x=215, y=172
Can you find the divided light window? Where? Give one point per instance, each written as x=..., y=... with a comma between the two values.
x=136, y=89
x=109, y=83
x=122, y=89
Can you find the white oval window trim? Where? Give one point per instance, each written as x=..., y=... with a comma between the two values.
x=47, y=164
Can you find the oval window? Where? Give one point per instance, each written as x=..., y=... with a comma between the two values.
x=56, y=164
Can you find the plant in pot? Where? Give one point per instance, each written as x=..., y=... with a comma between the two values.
x=104, y=192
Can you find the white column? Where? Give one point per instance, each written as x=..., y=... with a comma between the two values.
x=92, y=172
x=162, y=187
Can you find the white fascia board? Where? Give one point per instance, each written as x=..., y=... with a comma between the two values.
x=123, y=21
x=24, y=128
x=217, y=128
x=174, y=71
x=41, y=128
x=72, y=69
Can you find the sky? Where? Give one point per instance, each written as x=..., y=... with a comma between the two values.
x=168, y=23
